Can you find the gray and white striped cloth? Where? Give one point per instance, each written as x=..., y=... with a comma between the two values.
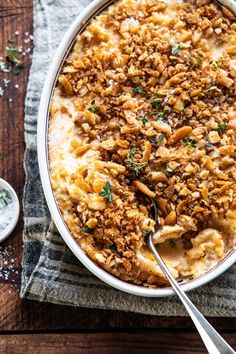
x=50, y=271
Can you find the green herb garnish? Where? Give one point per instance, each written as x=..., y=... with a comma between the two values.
x=132, y=165
x=157, y=103
x=175, y=50
x=87, y=230
x=132, y=152
x=93, y=110
x=191, y=143
x=162, y=116
x=107, y=192
x=10, y=40
x=213, y=64
x=199, y=60
x=93, y=102
x=144, y=119
x=139, y=89
x=208, y=144
x=16, y=71
x=5, y=197
x=222, y=128
x=161, y=138
x=112, y=248
x=153, y=140
x=11, y=55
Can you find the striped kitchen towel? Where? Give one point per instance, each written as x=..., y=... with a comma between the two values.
x=50, y=271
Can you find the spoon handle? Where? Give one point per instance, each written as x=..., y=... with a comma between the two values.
x=230, y=5
x=214, y=343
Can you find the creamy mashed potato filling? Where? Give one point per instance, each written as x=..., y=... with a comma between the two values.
x=145, y=109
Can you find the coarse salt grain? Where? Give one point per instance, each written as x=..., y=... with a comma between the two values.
x=6, y=82
x=7, y=268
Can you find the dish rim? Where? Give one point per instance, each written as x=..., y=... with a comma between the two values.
x=60, y=55
x=16, y=207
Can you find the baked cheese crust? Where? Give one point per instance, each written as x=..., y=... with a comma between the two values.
x=145, y=109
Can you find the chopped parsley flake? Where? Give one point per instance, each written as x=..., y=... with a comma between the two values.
x=191, y=143
x=156, y=103
x=87, y=230
x=112, y=248
x=93, y=110
x=153, y=140
x=222, y=128
x=144, y=119
x=11, y=55
x=107, y=192
x=5, y=197
x=199, y=60
x=10, y=40
x=16, y=71
x=139, y=89
x=162, y=116
x=132, y=165
x=93, y=102
x=175, y=50
x=208, y=144
x=213, y=64
x=132, y=152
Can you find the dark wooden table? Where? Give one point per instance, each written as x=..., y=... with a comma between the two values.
x=29, y=326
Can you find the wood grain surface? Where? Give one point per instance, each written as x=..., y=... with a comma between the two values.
x=104, y=343
x=28, y=326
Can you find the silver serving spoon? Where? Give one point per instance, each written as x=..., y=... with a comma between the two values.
x=214, y=343
x=229, y=4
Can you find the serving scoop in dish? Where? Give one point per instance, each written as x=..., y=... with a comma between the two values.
x=214, y=343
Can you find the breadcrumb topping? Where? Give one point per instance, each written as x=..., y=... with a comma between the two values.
x=146, y=104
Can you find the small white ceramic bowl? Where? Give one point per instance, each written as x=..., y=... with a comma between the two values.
x=59, y=57
x=16, y=210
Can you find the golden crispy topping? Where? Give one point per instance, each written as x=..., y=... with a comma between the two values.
x=152, y=114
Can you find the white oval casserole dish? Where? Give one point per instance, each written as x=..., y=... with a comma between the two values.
x=64, y=48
